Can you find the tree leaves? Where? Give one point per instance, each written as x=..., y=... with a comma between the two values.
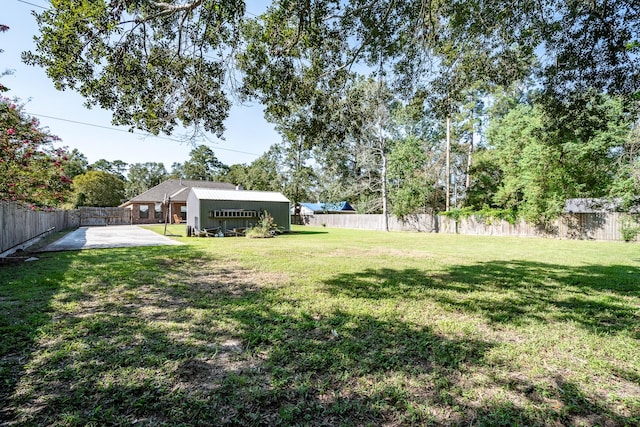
x=155, y=65
x=158, y=65
x=98, y=188
x=544, y=160
x=31, y=169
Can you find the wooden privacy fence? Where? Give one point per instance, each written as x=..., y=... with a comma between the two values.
x=587, y=226
x=583, y=226
x=19, y=224
x=424, y=223
x=104, y=216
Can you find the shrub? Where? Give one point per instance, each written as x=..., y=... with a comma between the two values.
x=629, y=228
x=486, y=213
x=264, y=228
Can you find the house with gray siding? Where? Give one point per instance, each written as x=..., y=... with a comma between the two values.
x=226, y=210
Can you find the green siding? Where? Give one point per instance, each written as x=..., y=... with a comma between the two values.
x=278, y=210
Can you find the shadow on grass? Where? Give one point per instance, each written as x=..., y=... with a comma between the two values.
x=515, y=292
x=163, y=337
x=26, y=291
x=600, y=299
x=168, y=336
x=34, y=333
x=304, y=232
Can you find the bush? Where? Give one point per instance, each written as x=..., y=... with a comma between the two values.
x=486, y=213
x=264, y=228
x=629, y=228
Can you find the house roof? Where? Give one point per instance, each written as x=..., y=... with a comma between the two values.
x=238, y=195
x=587, y=205
x=177, y=189
x=328, y=207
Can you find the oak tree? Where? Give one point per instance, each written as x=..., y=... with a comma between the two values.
x=98, y=188
x=156, y=65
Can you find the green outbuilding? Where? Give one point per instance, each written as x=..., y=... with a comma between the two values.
x=228, y=210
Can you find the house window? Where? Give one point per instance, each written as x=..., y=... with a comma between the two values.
x=158, y=211
x=183, y=212
x=144, y=211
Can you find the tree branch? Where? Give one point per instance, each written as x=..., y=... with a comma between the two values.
x=347, y=65
x=172, y=8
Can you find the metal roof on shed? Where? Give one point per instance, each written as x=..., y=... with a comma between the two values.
x=238, y=195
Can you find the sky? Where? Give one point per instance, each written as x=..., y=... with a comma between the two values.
x=248, y=134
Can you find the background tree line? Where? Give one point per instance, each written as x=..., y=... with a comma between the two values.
x=397, y=106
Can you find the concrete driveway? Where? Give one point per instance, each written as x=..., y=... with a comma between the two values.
x=115, y=236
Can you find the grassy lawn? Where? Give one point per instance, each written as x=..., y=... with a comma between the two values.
x=325, y=327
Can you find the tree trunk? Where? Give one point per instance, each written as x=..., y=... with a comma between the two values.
x=448, y=165
x=385, y=212
x=469, y=155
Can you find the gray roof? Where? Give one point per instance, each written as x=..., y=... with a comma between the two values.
x=177, y=189
x=587, y=206
x=594, y=205
x=238, y=195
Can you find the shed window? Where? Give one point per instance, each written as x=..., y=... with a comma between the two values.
x=233, y=213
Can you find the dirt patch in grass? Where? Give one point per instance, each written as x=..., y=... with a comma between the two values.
x=209, y=374
x=221, y=278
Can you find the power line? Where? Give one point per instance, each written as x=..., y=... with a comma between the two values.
x=134, y=133
x=32, y=4
x=122, y=130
